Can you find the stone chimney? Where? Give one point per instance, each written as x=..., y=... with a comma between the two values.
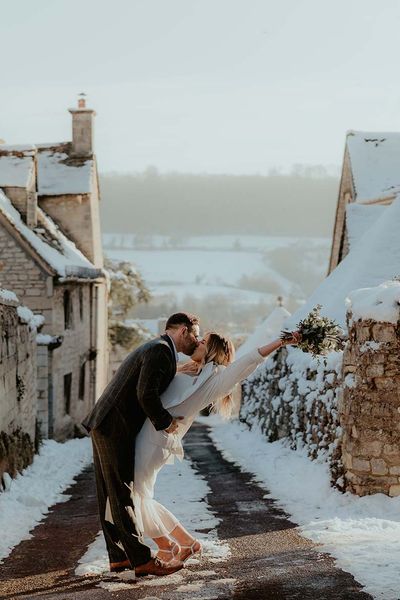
x=82, y=129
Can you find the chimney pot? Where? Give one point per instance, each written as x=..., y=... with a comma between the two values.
x=82, y=100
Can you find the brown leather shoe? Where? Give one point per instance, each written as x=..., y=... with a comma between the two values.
x=118, y=567
x=155, y=566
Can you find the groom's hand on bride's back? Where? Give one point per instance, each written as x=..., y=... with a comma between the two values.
x=174, y=425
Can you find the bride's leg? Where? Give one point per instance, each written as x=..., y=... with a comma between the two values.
x=167, y=549
x=189, y=544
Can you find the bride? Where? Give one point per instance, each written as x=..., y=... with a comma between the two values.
x=209, y=378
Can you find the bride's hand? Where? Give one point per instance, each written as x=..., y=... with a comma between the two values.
x=174, y=425
x=189, y=367
x=294, y=340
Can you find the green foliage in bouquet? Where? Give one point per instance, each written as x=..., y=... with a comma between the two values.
x=319, y=335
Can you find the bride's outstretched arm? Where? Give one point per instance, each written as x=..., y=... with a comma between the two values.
x=228, y=377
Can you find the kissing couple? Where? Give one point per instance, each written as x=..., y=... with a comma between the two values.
x=137, y=426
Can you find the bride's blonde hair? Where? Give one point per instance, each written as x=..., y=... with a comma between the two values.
x=221, y=351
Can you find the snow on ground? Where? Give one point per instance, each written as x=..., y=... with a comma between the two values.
x=29, y=496
x=242, y=268
x=362, y=534
x=182, y=491
x=211, y=267
x=207, y=242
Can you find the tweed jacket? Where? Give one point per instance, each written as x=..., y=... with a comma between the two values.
x=134, y=392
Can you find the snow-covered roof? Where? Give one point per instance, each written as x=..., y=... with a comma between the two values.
x=50, y=243
x=372, y=260
x=59, y=174
x=375, y=163
x=266, y=332
x=359, y=218
x=27, y=149
x=16, y=171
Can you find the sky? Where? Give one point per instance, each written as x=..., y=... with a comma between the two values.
x=216, y=86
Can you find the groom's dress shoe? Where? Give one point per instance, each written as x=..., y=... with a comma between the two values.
x=118, y=567
x=155, y=566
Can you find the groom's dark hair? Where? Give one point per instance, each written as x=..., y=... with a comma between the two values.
x=181, y=318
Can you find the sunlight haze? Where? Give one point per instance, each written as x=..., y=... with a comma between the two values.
x=226, y=86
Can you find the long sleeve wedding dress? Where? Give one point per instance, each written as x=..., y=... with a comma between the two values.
x=185, y=397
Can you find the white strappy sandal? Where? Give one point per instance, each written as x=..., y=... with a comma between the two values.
x=173, y=552
x=192, y=550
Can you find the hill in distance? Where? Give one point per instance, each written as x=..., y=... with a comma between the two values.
x=301, y=203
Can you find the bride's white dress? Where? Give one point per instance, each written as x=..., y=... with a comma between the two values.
x=185, y=397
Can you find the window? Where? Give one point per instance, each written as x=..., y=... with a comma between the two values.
x=67, y=392
x=67, y=310
x=82, y=374
x=81, y=303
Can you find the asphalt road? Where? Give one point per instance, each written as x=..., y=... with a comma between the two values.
x=269, y=559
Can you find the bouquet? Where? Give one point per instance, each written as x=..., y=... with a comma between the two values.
x=318, y=335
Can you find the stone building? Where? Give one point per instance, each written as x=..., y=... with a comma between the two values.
x=51, y=257
x=346, y=409
x=369, y=182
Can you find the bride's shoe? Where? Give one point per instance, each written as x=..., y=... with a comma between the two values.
x=173, y=553
x=188, y=551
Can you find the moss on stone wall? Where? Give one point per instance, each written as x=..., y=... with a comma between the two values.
x=16, y=451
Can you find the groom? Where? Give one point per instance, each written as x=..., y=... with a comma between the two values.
x=132, y=395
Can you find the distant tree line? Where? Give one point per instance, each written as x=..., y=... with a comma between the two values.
x=300, y=203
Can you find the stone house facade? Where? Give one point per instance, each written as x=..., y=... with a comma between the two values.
x=51, y=257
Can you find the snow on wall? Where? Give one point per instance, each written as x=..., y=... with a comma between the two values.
x=381, y=303
x=295, y=396
x=374, y=160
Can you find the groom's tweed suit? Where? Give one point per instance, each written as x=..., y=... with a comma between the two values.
x=132, y=395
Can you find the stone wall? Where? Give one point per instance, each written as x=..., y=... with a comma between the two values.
x=18, y=404
x=370, y=408
x=296, y=397
x=19, y=272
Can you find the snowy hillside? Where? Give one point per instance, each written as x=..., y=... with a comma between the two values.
x=226, y=278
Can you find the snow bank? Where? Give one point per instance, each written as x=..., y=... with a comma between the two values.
x=381, y=303
x=295, y=395
x=41, y=485
x=363, y=534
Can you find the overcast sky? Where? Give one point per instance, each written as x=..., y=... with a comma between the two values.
x=219, y=86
